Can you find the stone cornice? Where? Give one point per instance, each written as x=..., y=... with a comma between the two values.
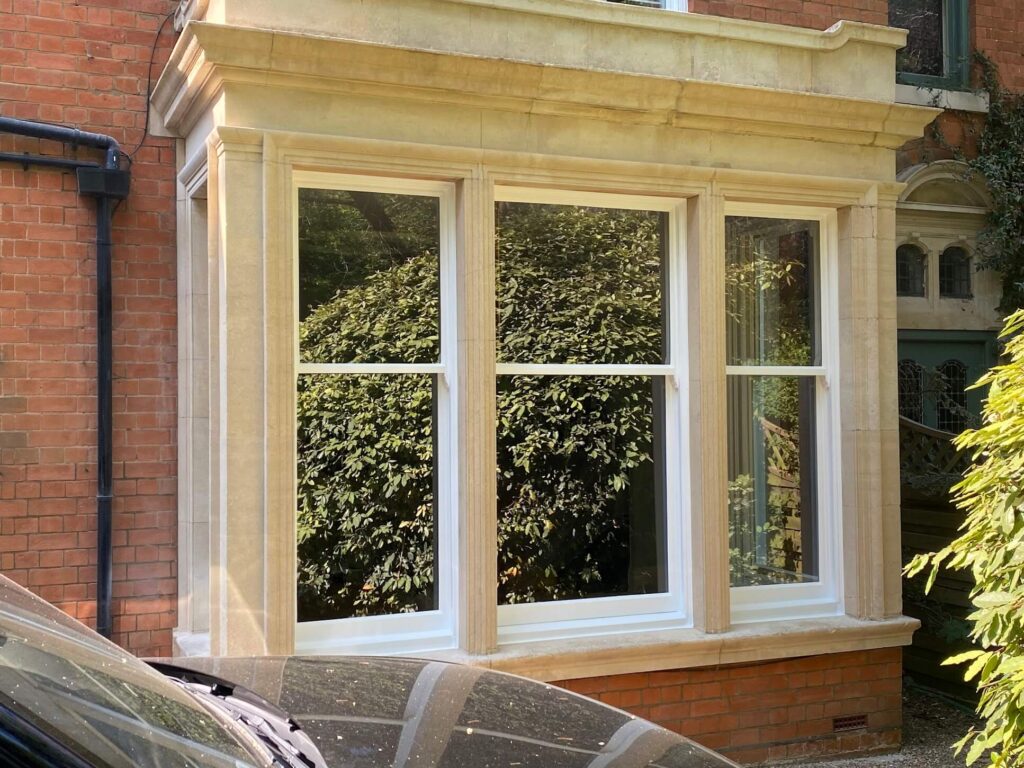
x=265, y=15
x=210, y=57
x=836, y=36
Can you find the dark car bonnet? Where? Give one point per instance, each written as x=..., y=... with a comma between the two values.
x=369, y=712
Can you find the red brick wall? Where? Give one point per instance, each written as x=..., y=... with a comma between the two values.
x=85, y=64
x=816, y=14
x=762, y=713
x=997, y=29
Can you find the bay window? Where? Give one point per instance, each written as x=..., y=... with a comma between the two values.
x=590, y=358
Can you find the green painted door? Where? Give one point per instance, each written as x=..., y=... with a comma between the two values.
x=935, y=369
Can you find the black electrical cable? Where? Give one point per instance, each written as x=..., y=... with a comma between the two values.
x=149, y=83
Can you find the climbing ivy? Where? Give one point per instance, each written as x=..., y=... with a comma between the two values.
x=1000, y=161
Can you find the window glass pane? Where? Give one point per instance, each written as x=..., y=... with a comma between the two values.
x=771, y=295
x=923, y=19
x=772, y=480
x=580, y=285
x=910, y=271
x=366, y=495
x=368, y=277
x=580, y=487
x=955, y=273
x=911, y=390
x=951, y=403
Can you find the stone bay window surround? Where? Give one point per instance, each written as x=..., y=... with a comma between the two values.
x=707, y=156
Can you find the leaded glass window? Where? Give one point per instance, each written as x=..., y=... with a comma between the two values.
x=937, y=42
x=910, y=271
x=955, y=273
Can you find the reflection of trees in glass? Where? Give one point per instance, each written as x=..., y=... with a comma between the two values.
x=923, y=54
x=574, y=451
x=369, y=293
x=771, y=320
x=576, y=473
x=366, y=495
x=579, y=285
x=770, y=313
x=345, y=236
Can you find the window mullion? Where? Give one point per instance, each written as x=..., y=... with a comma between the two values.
x=475, y=449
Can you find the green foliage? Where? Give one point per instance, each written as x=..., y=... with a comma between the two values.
x=574, y=453
x=366, y=447
x=1000, y=161
x=992, y=547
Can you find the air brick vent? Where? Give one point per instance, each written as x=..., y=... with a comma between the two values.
x=849, y=723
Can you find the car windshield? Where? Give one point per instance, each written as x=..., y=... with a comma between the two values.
x=99, y=701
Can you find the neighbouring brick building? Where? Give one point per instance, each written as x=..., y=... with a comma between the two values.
x=468, y=102
x=85, y=65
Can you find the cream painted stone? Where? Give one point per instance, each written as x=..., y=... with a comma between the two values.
x=193, y=403
x=942, y=206
x=281, y=452
x=207, y=56
x=556, y=93
x=580, y=34
x=708, y=433
x=477, y=415
x=686, y=648
x=238, y=590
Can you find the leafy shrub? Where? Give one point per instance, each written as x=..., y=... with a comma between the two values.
x=992, y=547
x=574, y=453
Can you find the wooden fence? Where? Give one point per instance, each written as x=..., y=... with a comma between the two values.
x=929, y=464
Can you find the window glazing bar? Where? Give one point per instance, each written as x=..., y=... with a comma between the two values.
x=776, y=370
x=568, y=369
x=371, y=368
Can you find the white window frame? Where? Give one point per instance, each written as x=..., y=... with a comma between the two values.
x=772, y=602
x=611, y=615
x=665, y=5
x=422, y=630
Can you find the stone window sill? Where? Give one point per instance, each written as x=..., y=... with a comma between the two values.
x=922, y=96
x=652, y=651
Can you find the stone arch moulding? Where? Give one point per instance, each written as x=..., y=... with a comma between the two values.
x=943, y=184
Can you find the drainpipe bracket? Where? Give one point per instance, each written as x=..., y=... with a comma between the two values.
x=104, y=182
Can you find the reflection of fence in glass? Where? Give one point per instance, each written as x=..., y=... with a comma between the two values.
x=772, y=509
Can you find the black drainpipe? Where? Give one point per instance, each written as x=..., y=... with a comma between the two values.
x=106, y=183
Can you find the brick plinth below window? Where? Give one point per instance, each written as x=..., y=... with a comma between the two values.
x=770, y=712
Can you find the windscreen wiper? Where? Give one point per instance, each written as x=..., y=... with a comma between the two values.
x=276, y=730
